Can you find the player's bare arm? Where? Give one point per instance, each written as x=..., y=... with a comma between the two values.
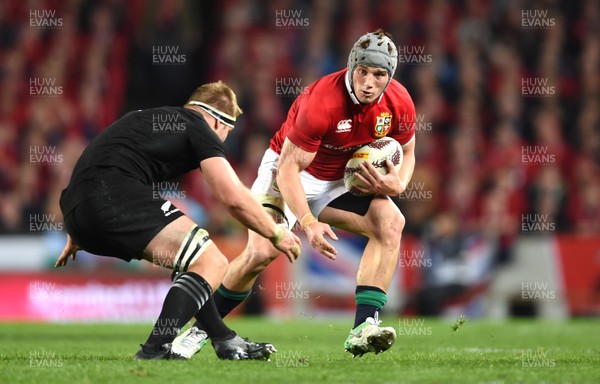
x=393, y=183
x=292, y=161
x=239, y=201
x=408, y=164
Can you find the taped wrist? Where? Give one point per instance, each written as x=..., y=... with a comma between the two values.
x=278, y=235
x=306, y=220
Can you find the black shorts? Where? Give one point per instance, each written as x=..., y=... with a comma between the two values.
x=120, y=216
x=356, y=204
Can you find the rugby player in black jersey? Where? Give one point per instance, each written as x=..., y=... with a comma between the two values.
x=110, y=209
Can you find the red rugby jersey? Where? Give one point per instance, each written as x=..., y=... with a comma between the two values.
x=329, y=120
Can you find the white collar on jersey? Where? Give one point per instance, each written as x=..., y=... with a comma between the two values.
x=351, y=91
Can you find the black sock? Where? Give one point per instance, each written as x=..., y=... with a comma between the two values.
x=213, y=323
x=225, y=300
x=187, y=295
x=369, y=300
x=362, y=312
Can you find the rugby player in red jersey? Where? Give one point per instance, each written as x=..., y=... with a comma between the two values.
x=301, y=179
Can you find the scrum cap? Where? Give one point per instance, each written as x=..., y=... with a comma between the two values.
x=375, y=49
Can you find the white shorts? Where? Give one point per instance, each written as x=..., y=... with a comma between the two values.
x=319, y=193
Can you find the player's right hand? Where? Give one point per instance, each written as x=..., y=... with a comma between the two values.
x=289, y=243
x=70, y=250
x=316, y=232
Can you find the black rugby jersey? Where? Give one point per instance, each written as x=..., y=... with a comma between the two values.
x=151, y=145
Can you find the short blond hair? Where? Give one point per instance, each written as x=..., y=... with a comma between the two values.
x=219, y=96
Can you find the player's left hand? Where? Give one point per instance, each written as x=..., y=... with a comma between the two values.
x=376, y=183
x=316, y=231
x=287, y=242
x=70, y=250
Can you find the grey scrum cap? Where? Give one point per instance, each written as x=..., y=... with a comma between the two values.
x=374, y=49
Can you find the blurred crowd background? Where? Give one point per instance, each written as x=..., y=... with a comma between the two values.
x=467, y=64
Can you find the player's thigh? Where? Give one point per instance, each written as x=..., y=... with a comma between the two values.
x=165, y=245
x=362, y=215
x=183, y=246
x=265, y=191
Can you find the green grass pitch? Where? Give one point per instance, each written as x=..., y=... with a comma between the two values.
x=310, y=351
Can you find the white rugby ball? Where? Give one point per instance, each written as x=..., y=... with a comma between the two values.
x=376, y=153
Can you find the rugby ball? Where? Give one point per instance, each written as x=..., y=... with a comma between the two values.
x=376, y=153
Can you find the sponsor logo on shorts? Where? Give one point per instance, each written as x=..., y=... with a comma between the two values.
x=168, y=208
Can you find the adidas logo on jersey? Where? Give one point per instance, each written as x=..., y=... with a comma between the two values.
x=344, y=126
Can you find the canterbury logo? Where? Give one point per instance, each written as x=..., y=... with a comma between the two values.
x=344, y=126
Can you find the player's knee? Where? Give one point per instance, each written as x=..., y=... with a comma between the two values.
x=219, y=263
x=388, y=227
x=394, y=231
x=216, y=259
x=212, y=266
